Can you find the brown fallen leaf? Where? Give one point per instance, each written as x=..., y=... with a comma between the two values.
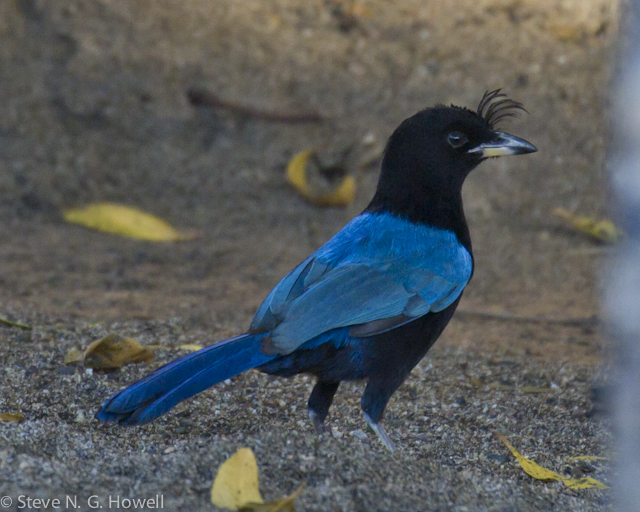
x=126, y=221
x=16, y=417
x=603, y=230
x=114, y=351
x=546, y=475
x=297, y=174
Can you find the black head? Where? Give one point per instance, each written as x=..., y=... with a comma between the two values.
x=430, y=154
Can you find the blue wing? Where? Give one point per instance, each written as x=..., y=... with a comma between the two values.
x=378, y=272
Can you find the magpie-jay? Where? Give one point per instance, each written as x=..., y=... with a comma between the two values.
x=371, y=301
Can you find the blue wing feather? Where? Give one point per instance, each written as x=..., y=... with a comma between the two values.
x=377, y=268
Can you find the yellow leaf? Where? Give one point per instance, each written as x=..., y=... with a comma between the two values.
x=190, y=347
x=11, y=416
x=114, y=351
x=74, y=356
x=546, y=475
x=236, y=483
x=282, y=505
x=125, y=221
x=342, y=195
x=603, y=230
x=584, y=483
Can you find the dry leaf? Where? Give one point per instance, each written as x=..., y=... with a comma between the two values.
x=236, y=483
x=236, y=487
x=74, y=356
x=342, y=195
x=588, y=458
x=191, y=347
x=16, y=417
x=603, y=230
x=282, y=505
x=546, y=475
x=114, y=351
x=125, y=221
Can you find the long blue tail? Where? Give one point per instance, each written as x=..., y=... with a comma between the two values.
x=154, y=395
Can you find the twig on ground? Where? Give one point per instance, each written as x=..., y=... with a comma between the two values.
x=15, y=324
x=200, y=97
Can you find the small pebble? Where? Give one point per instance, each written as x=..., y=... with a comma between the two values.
x=369, y=139
x=501, y=459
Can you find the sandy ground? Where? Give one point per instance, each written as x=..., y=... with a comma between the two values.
x=95, y=107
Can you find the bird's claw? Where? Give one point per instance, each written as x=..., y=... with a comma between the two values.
x=381, y=433
x=318, y=424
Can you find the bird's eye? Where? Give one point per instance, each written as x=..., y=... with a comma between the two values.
x=457, y=139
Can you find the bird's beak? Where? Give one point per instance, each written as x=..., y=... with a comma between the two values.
x=504, y=144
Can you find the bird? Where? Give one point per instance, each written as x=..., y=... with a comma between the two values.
x=370, y=302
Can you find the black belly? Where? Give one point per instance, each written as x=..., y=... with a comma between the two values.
x=391, y=354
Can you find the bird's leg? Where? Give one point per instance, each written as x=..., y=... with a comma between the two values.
x=320, y=401
x=374, y=400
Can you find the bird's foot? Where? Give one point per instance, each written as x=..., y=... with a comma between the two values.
x=381, y=433
x=318, y=424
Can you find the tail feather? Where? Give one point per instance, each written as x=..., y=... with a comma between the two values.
x=155, y=394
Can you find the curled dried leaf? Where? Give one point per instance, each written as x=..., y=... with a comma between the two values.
x=114, y=351
x=299, y=176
